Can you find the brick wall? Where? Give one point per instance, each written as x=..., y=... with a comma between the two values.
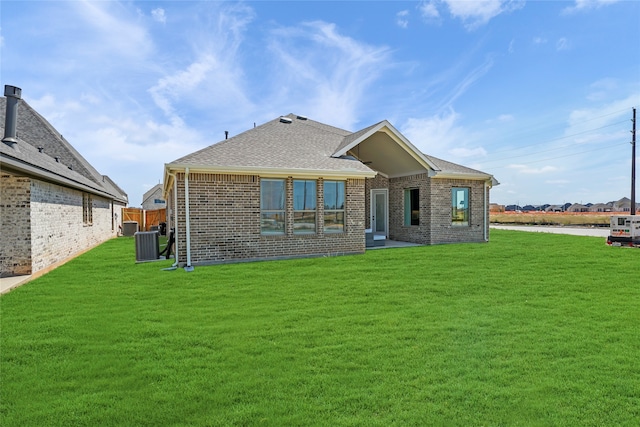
x=442, y=231
x=57, y=228
x=435, y=209
x=421, y=233
x=15, y=226
x=379, y=182
x=42, y=224
x=225, y=221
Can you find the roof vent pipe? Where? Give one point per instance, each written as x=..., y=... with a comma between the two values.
x=226, y=134
x=13, y=94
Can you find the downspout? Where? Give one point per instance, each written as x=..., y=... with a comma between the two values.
x=175, y=215
x=187, y=267
x=486, y=215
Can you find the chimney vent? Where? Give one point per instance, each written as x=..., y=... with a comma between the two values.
x=13, y=94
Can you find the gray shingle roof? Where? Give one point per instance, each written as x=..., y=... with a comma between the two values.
x=453, y=168
x=301, y=144
x=39, y=143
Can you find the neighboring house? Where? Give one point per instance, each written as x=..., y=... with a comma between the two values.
x=54, y=204
x=622, y=205
x=577, y=207
x=296, y=187
x=494, y=207
x=152, y=199
x=601, y=207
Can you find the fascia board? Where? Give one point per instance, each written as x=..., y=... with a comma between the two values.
x=10, y=164
x=362, y=137
x=272, y=172
x=474, y=177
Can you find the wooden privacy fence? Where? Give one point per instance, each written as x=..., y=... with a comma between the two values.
x=154, y=218
x=145, y=219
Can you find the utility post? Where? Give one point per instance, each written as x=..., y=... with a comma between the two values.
x=633, y=165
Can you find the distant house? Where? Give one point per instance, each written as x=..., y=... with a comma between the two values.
x=296, y=187
x=601, y=207
x=53, y=203
x=152, y=199
x=577, y=207
x=494, y=207
x=622, y=205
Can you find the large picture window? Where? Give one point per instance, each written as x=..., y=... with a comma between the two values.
x=334, y=206
x=272, y=206
x=304, y=206
x=459, y=206
x=411, y=207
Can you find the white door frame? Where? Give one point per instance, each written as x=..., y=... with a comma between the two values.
x=372, y=209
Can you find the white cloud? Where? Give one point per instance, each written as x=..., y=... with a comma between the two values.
x=213, y=74
x=477, y=13
x=402, y=18
x=434, y=135
x=328, y=75
x=502, y=118
x=563, y=44
x=585, y=123
x=112, y=31
x=583, y=5
x=558, y=181
x=185, y=81
x=473, y=76
x=462, y=152
x=602, y=89
x=539, y=40
x=158, y=15
x=429, y=11
x=524, y=169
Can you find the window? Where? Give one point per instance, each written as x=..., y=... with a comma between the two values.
x=459, y=206
x=411, y=207
x=272, y=196
x=87, y=209
x=334, y=206
x=304, y=206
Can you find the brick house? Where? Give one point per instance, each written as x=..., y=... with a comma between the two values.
x=295, y=187
x=53, y=204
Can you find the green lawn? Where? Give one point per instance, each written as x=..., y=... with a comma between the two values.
x=530, y=329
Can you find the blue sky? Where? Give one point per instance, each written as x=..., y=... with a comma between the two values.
x=537, y=93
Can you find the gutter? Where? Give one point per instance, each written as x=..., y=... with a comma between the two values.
x=473, y=177
x=187, y=267
x=175, y=216
x=486, y=215
x=276, y=172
